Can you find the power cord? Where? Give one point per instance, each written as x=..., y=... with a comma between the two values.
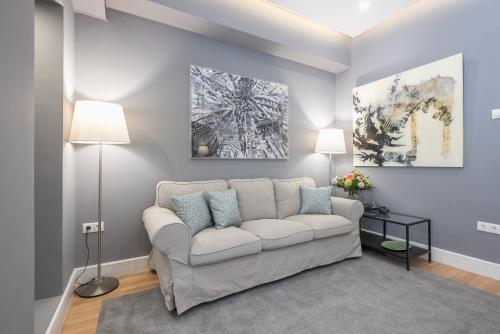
x=79, y=285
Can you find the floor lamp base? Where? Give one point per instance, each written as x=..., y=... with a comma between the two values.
x=97, y=287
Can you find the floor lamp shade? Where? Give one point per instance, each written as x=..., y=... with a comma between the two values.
x=97, y=122
x=330, y=141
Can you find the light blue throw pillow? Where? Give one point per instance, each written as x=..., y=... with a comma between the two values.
x=316, y=200
x=193, y=211
x=224, y=208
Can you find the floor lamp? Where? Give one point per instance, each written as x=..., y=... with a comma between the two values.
x=98, y=123
x=330, y=141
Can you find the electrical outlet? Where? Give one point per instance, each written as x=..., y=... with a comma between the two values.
x=93, y=227
x=495, y=229
x=495, y=114
x=481, y=226
x=488, y=227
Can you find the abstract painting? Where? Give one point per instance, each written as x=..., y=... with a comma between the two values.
x=414, y=118
x=237, y=117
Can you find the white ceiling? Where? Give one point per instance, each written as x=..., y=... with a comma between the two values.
x=345, y=16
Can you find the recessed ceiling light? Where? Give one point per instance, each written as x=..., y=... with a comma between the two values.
x=364, y=5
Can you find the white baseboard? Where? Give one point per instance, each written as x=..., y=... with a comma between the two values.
x=57, y=321
x=457, y=260
x=114, y=268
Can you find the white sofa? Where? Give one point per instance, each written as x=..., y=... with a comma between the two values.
x=273, y=241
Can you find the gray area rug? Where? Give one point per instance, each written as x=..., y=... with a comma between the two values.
x=368, y=295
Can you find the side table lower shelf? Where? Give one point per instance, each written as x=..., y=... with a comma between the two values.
x=374, y=241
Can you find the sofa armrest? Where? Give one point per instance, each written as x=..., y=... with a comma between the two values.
x=348, y=208
x=168, y=233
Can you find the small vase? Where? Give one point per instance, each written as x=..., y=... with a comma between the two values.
x=358, y=196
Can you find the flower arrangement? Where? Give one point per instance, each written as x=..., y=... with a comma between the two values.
x=353, y=182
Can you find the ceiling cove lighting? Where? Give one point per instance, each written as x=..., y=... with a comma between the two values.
x=364, y=5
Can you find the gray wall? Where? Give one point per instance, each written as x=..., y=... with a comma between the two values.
x=145, y=67
x=455, y=198
x=16, y=166
x=54, y=158
x=68, y=163
x=48, y=151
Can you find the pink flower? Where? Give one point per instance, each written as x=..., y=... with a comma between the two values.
x=349, y=176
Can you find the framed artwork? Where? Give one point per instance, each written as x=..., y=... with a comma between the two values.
x=237, y=117
x=412, y=119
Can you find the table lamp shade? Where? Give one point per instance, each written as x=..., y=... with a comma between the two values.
x=330, y=141
x=97, y=122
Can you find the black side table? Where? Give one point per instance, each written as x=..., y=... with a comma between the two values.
x=374, y=241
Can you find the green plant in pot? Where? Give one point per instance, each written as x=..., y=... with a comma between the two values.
x=353, y=183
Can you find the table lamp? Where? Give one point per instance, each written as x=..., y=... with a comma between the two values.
x=100, y=123
x=330, y=141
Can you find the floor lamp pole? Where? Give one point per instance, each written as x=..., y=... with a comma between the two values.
x=100, y=285
x=99, y=215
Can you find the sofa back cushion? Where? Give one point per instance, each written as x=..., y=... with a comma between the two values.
x=287, y=193
x=255, y=198
x=166, y=189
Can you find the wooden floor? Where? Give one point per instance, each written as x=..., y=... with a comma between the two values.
x=83, y=313
x=483, y=283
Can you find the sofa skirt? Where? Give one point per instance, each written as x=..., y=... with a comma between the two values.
x=185, y=287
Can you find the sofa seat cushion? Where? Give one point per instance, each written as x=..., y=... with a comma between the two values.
x=325, y=226
x=278, y=233
x=212, y=245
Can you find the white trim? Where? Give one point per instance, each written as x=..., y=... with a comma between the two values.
x=57, y=321
x=457, y=260
x=114, y=268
